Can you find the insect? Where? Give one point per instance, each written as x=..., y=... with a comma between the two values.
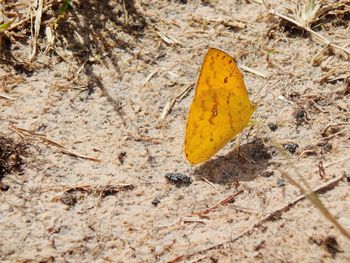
x=220, y=108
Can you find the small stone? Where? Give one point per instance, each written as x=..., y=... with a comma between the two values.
x=280, y=182
x=267, y=173
x=4, y=187
x=272, y=126
x=68, y=199
x=178, y=179
x=332, y=246
x=121, y=157
x=156, y=201
x=347, y=176
x=325, y=146
x=300, y=116
x=291, y=147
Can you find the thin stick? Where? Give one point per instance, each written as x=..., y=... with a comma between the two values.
x=254, y=71
x=143, y=138
x=126, y=14
x=333, y=125
x=193, y=220
x=337, y=161
x=7, y=97
x=308, y=29
x=272, y=215
x=208, y=182
x=37, y=23
x=171, y=103
x=67, y=188
x=333, y=135
x=150, y=75
x=311, y=195
x=83, y=156
x=223, y=202
x=319, y=205
x=43, y=137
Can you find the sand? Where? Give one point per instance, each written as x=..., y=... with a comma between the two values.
x=95, y=121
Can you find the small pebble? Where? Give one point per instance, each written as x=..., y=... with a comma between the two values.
x=347, y=176
x=272, y=126
x=267, y=173
x=280, y=182
x=155, y=201
x=4, y=187
x=332, y=246
x=121, y=157
x=300, y=116
x=291, y=147
x=325, y=146
x=68, y=199
x=178, y=179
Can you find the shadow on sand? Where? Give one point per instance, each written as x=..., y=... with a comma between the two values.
x=251, y=162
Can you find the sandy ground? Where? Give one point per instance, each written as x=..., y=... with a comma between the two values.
x=98, y=121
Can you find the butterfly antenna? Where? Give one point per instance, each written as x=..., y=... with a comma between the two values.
x=264, y=92
x=257, y=96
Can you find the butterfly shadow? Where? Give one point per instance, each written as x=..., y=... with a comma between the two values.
x=249, y=163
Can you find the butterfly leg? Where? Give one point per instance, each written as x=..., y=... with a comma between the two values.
x=238, y=142
x=241, y=153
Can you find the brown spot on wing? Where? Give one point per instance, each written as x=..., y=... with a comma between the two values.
x=214, y=109
x=207, y=81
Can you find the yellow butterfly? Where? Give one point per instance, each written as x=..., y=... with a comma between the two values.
x=220, y=109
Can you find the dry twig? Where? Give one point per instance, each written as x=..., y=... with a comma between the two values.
x=308, y=29
x=171, y=103
x=37, y=23
x=326, y=186
x=7, y=97
x=23, y=132
x=227, y=200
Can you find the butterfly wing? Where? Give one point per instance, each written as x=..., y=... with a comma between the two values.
x=220, y=109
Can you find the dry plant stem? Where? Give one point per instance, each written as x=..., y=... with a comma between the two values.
x=150, y=75
x=78, y=71
x=7, y=97
x=333, y=125
x=193, y=220
x=73, y=153
x=258, y=98
x=253, y=71
x=346, y=137
x=306, y=152
x=25, y=20
x=337, y=161
x=65, y=188
x=171, y=103
x=142, y=138
x=223, y=202
x=311, y=195
x=325, y=40
x=139, y=7
x=37, y=23
x=126, y=15
x=98, y=189
x=317, y=202
x=166, y=38
x=279, y=211
x=333, y=135
x=208, y=182
x=65, y=150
